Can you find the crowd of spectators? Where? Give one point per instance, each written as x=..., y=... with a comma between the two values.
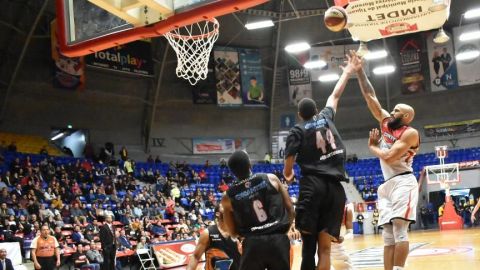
x=73, y=198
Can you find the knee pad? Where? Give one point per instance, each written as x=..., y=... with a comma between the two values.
x=400, y=230
x=388, y=237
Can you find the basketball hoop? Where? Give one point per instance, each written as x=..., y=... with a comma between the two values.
x=193, y=44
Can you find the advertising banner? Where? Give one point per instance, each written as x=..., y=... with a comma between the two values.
x=174, y=255
x=227, y=74
x=411, y=64
x=213, y=146
x=299, y=83
x=468, y=69
x=134, y=57
x=452, y=128
x=443, y=69
x=253, y=87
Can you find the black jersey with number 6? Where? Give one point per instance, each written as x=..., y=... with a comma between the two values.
x=318, y=147
x=258, y=207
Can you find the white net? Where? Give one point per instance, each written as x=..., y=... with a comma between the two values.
x=193, y=44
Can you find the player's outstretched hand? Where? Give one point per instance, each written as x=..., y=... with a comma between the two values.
x=294, y=234
x=374, y=137
x=354, y=63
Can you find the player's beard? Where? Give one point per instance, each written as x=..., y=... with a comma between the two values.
x=395, y=123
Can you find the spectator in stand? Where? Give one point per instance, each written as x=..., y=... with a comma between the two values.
x=123, y=153
x=94, y=255
x=267, y=159
x=203, y=175
x=223, y=163
x=80, y=259
x=12, y=147
x=128, y=167
x=175, y=193
x=45, y=250
x=78, y=236
x=143, y=244
x=43, y=150
x=223, y=187
x=207, y=164
x=150, y=159
x=123, y=241
x=3, y=146
x=60, y=237
x=157, y=160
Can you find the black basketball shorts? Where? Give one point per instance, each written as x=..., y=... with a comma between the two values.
x=320, y=205
x=271, y=252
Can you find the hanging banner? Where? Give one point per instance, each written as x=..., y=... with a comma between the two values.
x=227, y=74
x=134, y=57
x=377, y=19
x=204, y=91
x=253, y=87
x=299, y=83
x=69, y=72
x=411, y=64
x=334, y=57
x=213, y=146
x=468, y=69
x=452, y=128
x=443, y=69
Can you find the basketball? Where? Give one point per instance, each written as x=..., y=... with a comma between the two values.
x=335, y=19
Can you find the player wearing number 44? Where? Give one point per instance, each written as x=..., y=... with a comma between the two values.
x=318, y=149
x=258, y=208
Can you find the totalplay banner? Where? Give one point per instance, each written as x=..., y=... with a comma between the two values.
x=134, y=57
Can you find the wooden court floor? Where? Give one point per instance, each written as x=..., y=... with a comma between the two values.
x=435, y=250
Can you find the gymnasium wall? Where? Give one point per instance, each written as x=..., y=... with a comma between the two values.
x=114, y=107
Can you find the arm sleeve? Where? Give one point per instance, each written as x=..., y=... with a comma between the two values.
x=56, y=242
x=328, y=112
x=294, y=141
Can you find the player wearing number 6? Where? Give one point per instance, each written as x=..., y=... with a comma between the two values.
x=317, y=147
x=258, y=208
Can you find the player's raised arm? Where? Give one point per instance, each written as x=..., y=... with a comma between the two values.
x=368, y=91
x=337, y=92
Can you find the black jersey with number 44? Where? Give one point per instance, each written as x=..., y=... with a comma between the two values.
x=258, y=207
x=318, y=147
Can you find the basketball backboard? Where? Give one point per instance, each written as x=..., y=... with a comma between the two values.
x=443, y=174
x=87, y=26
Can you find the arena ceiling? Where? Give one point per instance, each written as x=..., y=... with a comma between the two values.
x=17, y=17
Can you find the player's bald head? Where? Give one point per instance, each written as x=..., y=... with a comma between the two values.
x=407, y=111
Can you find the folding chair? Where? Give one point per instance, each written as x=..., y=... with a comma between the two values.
x=148, y=263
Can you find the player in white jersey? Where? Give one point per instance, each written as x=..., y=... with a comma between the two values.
x=395, y=146
x=339, y=256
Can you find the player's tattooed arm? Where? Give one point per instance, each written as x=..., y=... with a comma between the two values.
x=400, y=147
x=368, y=91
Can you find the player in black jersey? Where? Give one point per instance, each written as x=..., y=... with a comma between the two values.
x=258, y=208
x=318, y=149
x=221, y=251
